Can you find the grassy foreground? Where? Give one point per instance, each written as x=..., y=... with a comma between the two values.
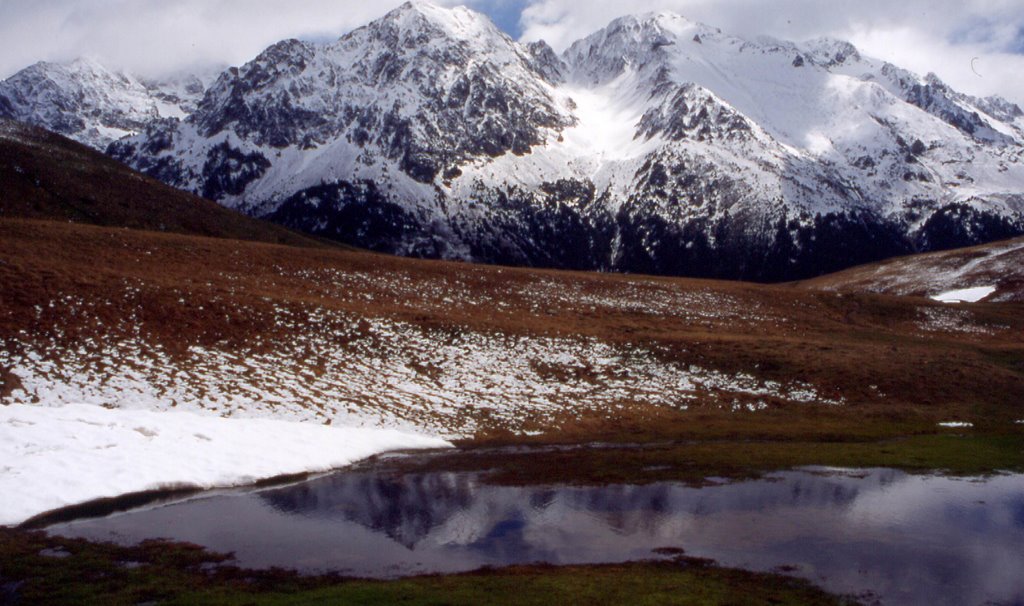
x=37, y=569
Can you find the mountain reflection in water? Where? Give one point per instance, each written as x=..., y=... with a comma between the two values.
x=905, y=539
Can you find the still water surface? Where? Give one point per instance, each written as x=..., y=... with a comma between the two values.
x=883, y=534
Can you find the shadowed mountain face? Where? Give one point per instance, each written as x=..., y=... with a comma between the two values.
x=655, y=145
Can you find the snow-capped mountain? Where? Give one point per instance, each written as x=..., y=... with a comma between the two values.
x=92, y=104
x=656, y=144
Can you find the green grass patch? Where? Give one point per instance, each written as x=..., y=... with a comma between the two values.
x=41, y=570
x=651, y=583
x=692, y=463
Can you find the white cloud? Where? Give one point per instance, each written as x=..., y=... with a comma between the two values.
x=941, y=36
x=155, y=36
x=971, y=68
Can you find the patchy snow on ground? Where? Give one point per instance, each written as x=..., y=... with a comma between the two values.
x=956, y=424
x=943, y=272
x=954, y=320
x=375, y=372
x=356, y=370
x=965, y=295
x=53, y=457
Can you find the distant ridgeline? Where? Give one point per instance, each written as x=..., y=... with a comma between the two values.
x=655, y=145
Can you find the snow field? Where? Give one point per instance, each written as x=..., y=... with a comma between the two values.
x=53, y=457
x=965, y=295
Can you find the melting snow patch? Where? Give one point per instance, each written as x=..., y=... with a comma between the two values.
x=324, y=365
x=56, y=457
x=965, y=295
x=956, y=424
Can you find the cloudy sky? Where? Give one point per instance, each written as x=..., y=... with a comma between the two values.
x=159, y=36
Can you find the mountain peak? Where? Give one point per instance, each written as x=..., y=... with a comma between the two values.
x=669, y=19
x=830, y=51
x=87, y=101
x=87, y=63
x=630, y=42
x=458, y=22
x=663, y=23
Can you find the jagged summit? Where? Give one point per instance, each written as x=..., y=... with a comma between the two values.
x=92, y=104
x=630, y=42
x=426, y=30
x=655, y=22
x=656, y=144
x=414, y=94
x=829, y=52
x=458, y=23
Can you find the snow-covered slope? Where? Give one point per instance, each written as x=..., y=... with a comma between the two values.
x=656, y=144
x=60, y=456
x=92, y=104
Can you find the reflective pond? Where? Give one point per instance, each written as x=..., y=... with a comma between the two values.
x=879, y=534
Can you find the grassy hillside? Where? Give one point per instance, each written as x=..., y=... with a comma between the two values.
x=261, y=321
x=136, y=317
x=47, y=176
x=999, y=264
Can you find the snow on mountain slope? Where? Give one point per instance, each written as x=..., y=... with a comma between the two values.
x=830, y=116
x=655, y=145
x=421, y=91
x=91, y=104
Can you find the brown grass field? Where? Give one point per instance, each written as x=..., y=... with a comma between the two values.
x=997, y=264
x=899, y=365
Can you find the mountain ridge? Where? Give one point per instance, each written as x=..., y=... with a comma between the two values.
x=48, y=177
x=656, y=145
x=92, y=104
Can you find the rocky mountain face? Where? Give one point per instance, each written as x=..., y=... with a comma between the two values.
x=91, y=104
x=655, y=145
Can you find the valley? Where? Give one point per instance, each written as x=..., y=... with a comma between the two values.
x=425, y=314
